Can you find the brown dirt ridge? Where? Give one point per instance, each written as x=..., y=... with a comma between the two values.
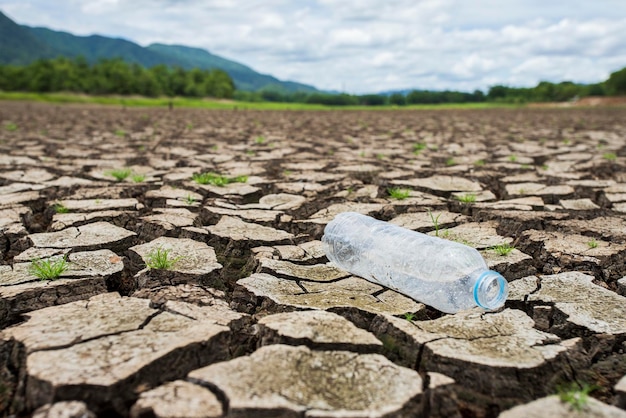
x=214, y=298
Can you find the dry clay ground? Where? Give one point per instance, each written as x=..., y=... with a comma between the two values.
x=251, y=320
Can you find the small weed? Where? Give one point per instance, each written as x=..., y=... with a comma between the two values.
x=48, y=269
x=575, y=396
x=467, y=198
x=217, y=180
x=190, y=200
x=503, y=249
x=287, y=173
x=362, y=154
x=479, y=163
x=138, y=178
x=545, y=167
x=409, y=316
x=593, y=243
x=59, y=208
x=513, y=158
x=260, y=140
x=390, y=345
x=435, y=221
x=159, y=259
x=567, y=142
x=418, y=147
x=189, y=126
x=250, y=153
x=450, y=162
x=526, y=166
x=609, y=156
x=10, y=127
x=120, y=133
x=119, y=174
x=380, y=156
x=399, y=194
x=522, y=191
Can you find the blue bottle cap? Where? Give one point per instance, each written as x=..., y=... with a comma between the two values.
x=490, y=290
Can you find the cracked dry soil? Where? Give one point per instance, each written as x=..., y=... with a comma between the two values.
x=251, y=320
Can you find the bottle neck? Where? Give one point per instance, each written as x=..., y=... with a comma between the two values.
x=490, y=289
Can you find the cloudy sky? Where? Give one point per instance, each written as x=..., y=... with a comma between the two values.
x=363, y=46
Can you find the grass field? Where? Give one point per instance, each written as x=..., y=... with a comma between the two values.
x=138, y=101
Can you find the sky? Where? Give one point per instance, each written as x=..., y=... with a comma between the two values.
x=367, y=46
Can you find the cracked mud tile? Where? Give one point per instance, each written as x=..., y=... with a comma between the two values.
x=247, y=234
x=580, y=307
x=261, y=289
x=499, y=354
x=575, y=251
x=318, y=330
x=553, y=407
x=178, y=399
x=87, y=275
x=193, y=262
x=106, y=350
x=279, y=380
x=315, y=273
x=166, y=222
x=94, y=236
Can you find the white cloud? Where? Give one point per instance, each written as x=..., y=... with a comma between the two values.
x=369, y=45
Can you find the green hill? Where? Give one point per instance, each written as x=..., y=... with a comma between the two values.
x=22, y=45
x=245, y=77
x=19, y=45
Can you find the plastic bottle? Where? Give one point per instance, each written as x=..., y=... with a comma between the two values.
x=443, y=274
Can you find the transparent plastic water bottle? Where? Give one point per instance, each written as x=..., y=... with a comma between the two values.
x=443, y=274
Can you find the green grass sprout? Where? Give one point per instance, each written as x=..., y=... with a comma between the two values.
x=577, y=397
x=503, y=249
x=217, y=179
x=397, y=193
x=467, y=198
x=10, y=127
x=138, y=178
x=119, y=174
x=159, y=259
x=48, y=269
x=435, y=220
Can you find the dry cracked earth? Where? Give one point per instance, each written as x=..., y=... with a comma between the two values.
x=251, y=320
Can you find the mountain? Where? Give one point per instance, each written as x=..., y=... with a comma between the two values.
x=245, y=77
x=22, y=45
x=94, y=47
x=19, y=44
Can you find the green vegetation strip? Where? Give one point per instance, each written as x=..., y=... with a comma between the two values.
x=138, y=101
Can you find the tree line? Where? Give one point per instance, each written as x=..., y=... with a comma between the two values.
x=542, y=92
x=114, y=76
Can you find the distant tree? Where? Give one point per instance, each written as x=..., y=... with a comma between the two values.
x=478, y=96
x=397, y=99
x=616, y=84
x=597, y=89
x=497, y=92
x=219, y=84
x=372, y=100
